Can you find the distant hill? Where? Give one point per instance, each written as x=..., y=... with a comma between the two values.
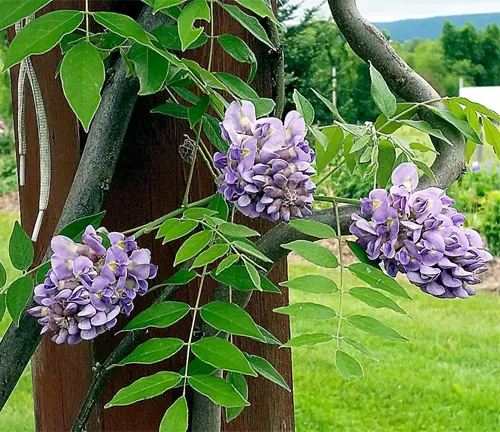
x=431, y=28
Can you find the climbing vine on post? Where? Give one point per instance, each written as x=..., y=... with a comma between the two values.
x=264, y=167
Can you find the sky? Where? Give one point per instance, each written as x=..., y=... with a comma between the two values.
x=393, y=10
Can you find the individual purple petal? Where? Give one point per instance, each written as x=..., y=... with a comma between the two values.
x=406, y=175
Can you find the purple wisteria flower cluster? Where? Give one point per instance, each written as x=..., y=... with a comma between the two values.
x=88, y=285
x=266, y=171
x=419, y=233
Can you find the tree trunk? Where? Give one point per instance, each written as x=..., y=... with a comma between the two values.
x=149, y=181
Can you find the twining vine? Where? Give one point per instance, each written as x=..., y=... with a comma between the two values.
x=264, y=167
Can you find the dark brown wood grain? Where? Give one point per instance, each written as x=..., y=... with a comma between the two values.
x=149, y=182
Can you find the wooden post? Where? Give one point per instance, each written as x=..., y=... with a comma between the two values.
x=149, y=182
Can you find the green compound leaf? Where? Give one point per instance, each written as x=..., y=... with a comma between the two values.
x=267, y=370
x=176, y=418
x=310, y=311
x=192, y=246
x=461, y=125
x=18, y=295
x=222, y=354
x=217, y=390
x=250, y=23
x=237, y=277
x=348, y=366
x=240, y=384
x=21, y=250
x=145, y=388
x=196, y=10
x=313, y=253
x=361, y=254
x=309, y=339
x=230, y=318
x=315, y=284
x=82, y=67
x=153, y=351
x=384, y=99
x=304, y=107
x=375, y=299
x=377, y=279
x=42, y=34
x=376, y=328
x=313, y=229
x=161, y=315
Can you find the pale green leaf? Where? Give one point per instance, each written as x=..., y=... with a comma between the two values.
x=217, y=390
x=384, y=99
x=376, y=328
x=193, y=246
x=222, y=354
x=196, y=10
x=230, y=318
x=227, y=263
x=212, y=254
x=492, y=135
x=240, y=384
x=310, y=311
x=150, y=67
x=145, y=388
x=153, y=351
x=237, y=276
x=251, y=250
x=240, y=51
x=313, y=228
x=234, y=230
x=176, y=417
x=267, y=370
x=304, y=107
x=335, y=138
x=360, y=347
x=18, y=295
x=313, y=253
x=377, y=279
x=259, y=7
x=161, y=315
x=309, y=339
x=124, y=26
x=21, y=250
x=386, y=159
x=348, y=366
x=375, y=299
x=82, y=67
x=42, y=34
x=173, y=229
x=315, y=284
x=11, y=12
x=253, y=273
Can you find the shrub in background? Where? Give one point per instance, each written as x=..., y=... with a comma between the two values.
x=491, y=221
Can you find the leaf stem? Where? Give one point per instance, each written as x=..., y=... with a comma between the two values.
x=151, y=226
x=191, y=332
x=330, y=173
x=87, y=20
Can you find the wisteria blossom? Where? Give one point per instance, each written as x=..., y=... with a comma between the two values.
x=266, y=171
x=419, y=233
x=89, y=285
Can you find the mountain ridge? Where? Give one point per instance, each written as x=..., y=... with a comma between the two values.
x=431, y=28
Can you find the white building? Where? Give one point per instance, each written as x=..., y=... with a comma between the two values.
x=487, y=96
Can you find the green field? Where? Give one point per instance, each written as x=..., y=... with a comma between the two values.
x=445, y=379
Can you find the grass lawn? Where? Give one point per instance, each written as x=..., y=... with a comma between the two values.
x=445, y=379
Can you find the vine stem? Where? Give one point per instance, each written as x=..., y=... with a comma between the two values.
x=341, y=284
x=336, y=200
x=191, y=332
x=212, y=34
